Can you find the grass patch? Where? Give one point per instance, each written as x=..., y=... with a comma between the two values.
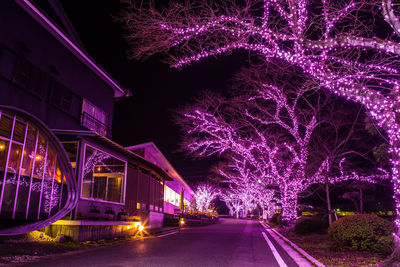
x=319, y=246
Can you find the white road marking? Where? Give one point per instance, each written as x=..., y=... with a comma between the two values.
x=168, y=234
x=274, y=251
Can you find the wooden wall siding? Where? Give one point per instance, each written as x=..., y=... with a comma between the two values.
x=131, y=190
x=144, y=180
x=152, y=191
x=142, y=188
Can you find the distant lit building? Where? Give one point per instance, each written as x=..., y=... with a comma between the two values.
x=172, y=189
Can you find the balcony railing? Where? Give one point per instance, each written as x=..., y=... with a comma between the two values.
x=94, y=124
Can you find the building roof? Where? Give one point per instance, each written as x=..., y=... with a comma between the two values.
x=54, y=30
x=161, y=161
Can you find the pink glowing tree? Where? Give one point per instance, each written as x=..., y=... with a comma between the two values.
x=246, y=189
x=267, y=127
x=335, y=43
x=232, y=201
x=266, y=131
x=241, y=191
x=204, y=195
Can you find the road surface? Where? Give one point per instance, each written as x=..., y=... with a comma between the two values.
x=229, y=242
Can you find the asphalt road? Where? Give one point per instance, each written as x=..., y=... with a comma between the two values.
x=227, y=243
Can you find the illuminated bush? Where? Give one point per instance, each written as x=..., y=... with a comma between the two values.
x=307, y=225
x=362, y=232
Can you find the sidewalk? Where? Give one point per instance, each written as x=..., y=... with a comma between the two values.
x=298, y=255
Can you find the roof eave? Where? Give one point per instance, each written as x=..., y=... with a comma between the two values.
x=62, y=38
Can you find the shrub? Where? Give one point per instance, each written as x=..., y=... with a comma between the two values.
x=276, y=219
x=310, y=225
x=362, y=232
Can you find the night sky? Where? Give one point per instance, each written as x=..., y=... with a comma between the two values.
x=157, y=89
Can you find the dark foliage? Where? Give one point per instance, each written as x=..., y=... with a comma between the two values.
x=362, y=232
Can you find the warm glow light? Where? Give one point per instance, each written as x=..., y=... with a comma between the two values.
x=141, y=228
x=137, y=224
x=38, y=157
x=181, y=221
x=2, y=147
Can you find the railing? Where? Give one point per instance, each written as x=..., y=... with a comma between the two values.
x=94, y=124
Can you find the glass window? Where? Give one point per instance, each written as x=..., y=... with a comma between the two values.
x=32, y=172
x=103, y=176
x=171, y=196
x=61, y=96
x=19, y=132
x=5, y=126
x=26, y=170
x=3, y=157
x=23, y=73
x=11, y=180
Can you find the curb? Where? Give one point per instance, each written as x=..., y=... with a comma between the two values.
x=296, y=249
x=162, y=231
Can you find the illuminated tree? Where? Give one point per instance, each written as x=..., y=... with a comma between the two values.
x=232, y=201
x=204, y=195
x=246, y=188
x=266, y=126
x=345, y=132
x=343, y=45
x=266, y=132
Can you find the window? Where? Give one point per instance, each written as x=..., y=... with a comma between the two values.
x=22, y=73
x=171, y=196
x=103, y=176
x=62, y=98
x=94, y=118
x=29, y=77
x=32, y=178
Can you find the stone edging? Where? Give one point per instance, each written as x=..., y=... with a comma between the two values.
x=296, y=248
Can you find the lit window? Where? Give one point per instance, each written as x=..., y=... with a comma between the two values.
x=103, y=176
x=33, y=169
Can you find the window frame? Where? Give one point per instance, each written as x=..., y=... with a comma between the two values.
x=123, y=190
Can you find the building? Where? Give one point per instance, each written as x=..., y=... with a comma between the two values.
x=37, y=183
x=56, y=110
x=172, y=189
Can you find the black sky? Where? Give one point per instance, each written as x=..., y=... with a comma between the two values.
x=156, y=88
